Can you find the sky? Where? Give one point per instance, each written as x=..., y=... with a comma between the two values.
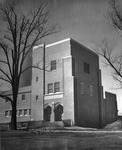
x=85, y=21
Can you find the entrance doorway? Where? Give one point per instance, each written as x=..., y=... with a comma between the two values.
x=47, y=113
x=58, y=112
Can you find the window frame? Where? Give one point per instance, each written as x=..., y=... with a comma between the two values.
x=49, y=89
x=53, y=65
x=25, y=114
x=55, y=88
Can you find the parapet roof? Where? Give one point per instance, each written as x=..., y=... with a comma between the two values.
x=62, y=41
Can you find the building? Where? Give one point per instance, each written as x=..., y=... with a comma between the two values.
x=23, y=106
x=72, y=87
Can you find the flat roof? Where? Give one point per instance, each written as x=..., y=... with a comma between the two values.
x=62, y=41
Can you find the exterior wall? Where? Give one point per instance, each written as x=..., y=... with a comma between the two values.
x=110, y=108
x=68, y=90
x=87, y=107
x=63, y=74
x=82, y=109
x=21, y=105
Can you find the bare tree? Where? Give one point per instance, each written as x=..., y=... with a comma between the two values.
x=112, y=58
x=23, y=29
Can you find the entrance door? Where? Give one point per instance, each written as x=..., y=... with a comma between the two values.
x=58, y=113
x=47, y=113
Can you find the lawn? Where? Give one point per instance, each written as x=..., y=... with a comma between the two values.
x=81, y=140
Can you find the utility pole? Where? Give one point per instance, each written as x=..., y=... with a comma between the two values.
x=43, y=77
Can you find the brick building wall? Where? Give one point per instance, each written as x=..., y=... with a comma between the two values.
x=110, y=108
x=70, y=56
x=73, y=88
x=23, y=106
x=87, y=101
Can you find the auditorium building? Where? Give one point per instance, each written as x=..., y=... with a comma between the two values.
x=68, y=89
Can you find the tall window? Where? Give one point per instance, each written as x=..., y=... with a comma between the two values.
x=23, y=97
x=56, y=87
x=53, y=65
x=91, y=90
x=50, y=88
x=82, y=88
x=86, y=68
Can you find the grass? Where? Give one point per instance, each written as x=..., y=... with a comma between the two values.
x=84, y=140
x=68, y=138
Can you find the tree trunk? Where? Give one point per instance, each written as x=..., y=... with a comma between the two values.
x=13, y=116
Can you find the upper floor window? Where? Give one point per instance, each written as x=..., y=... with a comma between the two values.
x=50, y=88
x=23, y=97
x=86, y=68
x=82, y=88
x=56, y=87
x=53, y=65
x=91, y=90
